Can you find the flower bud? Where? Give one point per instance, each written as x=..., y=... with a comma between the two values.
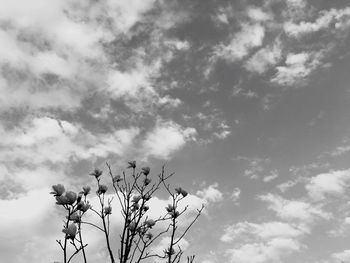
x=71, y=196
x=102, y=189
x=145, y=208
x=80, y=195
x=62, y=200
x=150, y=223
x=75, y=217
x=181, y=191
x=142, y=230
x=82, y=206
x=146, y=170
x=146, y=181
x=70, y=231
x=170, y=208
x=117, y=179
x=174, y=214
x=184, y=193
x=108, y=210
x=97, y=173
x=169, y=252
x=58, y=190
x=132, y=226
x=86, y=190
x=132, y=164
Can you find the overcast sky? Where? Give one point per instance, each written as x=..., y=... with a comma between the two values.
x=247, y=101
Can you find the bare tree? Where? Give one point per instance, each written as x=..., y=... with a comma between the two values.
x=138, y=234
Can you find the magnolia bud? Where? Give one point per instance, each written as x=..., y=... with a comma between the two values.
x=117, y=179
x=58, y=190
x=86, y=190
x=108, y=210
x=102, y=189
x=150, y=223
x=71, y=196
x=146, y=170
x=97, y=173
x=132, y=164
x=70, y=231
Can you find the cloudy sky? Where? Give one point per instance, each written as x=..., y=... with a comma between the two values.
x=247, y=101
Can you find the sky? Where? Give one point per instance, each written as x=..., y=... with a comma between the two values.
x=246, y=101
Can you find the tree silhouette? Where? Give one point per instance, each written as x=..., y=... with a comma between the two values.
x=138, y=235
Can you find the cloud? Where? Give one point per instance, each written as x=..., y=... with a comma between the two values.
x=236, y=194
x=166, y=138
x=263, y=59
x=272, y=176
x=125, y=14
x=338, y=18
x=298, y=66
x=283, y=187
x=343, y=256
x=250, y=36
x=28, y=222
x=247, y=231
x=223, y=15
x=296, y=3
x=292, y=210
x=272, y=251
x=323, y=185
x=239, y=91
x=211, y=125
x=211, y=194
x=341, y=150
x=46, y=139
x=257, y=14
x=129, y=83
x=259, y=168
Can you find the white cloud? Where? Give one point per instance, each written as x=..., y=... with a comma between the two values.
x=324, y=21
x=272, y=176
x=28, y=218
x=256, y=166
x=258, y=14
x=265, y=231
x=63, y=38
x=46, y=139
x=211, y=193
x=343, y=256
x=166, y=138
x=236, y=194
x=301, y=211
x=19, y=94
x=297, y=3
x=178, y=44
x=128, y=83
x=250, y=36
x=297, y=68
x=272, y=251
x=125, y=14
x=135, y=88
x=223, y=15
x=239, y=91
x=332, y=183
x=283, y=187
x=263, y=59
x=340, y=150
